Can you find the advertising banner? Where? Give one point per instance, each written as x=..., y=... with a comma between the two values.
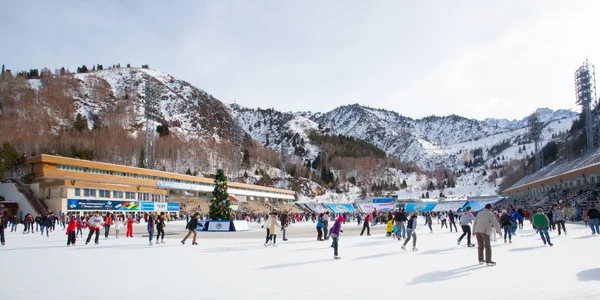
x=420, y=207
x=173, y=206
x=148, y=206
x=218, y=225
x=381, y=207
x=85, y=204
x=160, y=206
x=316, y=207
x=479, y=205
x=341, y=208
x=241, y=226
x=383, y=200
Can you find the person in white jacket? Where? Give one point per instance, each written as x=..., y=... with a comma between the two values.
x=267, y=223
x=95, y=223
x=118, y=225
x=465, y=223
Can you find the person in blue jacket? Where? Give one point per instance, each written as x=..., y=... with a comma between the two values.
x=320, y=227
x=150, y=228
x=518, y=219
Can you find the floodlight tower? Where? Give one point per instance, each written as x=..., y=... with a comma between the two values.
x=152, y=94
x=237, y=135
x=585, y=94
x=535, y=131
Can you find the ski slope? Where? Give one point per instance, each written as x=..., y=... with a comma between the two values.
x=36, y=267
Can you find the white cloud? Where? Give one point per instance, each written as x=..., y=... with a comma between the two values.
x=473, y=58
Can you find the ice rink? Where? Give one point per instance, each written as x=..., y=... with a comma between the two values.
x=36, y=267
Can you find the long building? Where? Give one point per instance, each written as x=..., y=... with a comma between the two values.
x=72, y=185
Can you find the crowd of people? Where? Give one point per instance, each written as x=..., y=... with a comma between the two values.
x=485, y=225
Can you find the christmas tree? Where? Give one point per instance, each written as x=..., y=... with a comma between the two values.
x=220, y=205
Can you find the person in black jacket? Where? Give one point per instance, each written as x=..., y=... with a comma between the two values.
x=594, y=217
x=160, y=228
x=451, y=219
x=191, y=227
x=3, y=222
x=399, y=220
x=505, y=222
x=284, y=224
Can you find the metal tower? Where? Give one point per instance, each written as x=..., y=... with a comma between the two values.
x=152, y=93
x=282, y=159
x=535, y=131
x=237, y=136
x=585, y=95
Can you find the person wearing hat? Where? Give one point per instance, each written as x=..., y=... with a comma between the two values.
x=335, y=235
x=273, y=224
x=542, y=223
x=484, y=221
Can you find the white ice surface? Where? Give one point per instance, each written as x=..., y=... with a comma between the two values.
x=35, y=267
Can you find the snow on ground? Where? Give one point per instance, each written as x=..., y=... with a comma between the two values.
x=301, y=268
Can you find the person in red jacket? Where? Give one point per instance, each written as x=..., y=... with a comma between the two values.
x=71, y=234
x=108, y=221
x=129, y=227
x=368, y=219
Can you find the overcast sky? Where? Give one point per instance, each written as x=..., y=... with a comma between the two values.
x=474, y=58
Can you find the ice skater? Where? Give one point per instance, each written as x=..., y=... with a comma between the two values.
x=129, y=232
x=411, y=228
x=150, y=228
x=428, y=221
x=366, y=225
x=274, y=224
x=335, y=235
x=559, y=218
x=542, y=223
x=482, y=228
x=95, y=224
x=320, y=227
x=505, y=222
x=191, y=227
x=160, y=228
x=72, y=232
x=444, y=217
x=3, y=223
x=465, y=224
x=266, y=224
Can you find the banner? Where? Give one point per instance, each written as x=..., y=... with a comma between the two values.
x=449, y=205
x=160, y=206
x=383, y=200
x=381, y=207
x=218, y=225
x=341, y=208
x=148, y=206
x=479, y=205
x=240, y=226
x=173, y=206
x=84, y=204
x=420, y=207
x=316, y=207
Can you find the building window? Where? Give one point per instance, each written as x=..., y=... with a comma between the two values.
x=77, y=192
x=89, y=193
x=103, y=194
x=143, y=196
x=130, y=195
x=117, y=194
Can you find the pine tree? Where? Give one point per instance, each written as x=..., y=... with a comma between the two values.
x=80, y=123
x=142, y=158
x=219, y=203
x=188, y=172
x=404, y=184
x=427, y=195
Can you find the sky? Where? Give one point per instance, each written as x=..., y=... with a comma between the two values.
x=478, y=59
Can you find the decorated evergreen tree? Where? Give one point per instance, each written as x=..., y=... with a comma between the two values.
x=220, y=205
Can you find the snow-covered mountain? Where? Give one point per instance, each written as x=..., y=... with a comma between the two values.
x=545, y=114
x=431, y=142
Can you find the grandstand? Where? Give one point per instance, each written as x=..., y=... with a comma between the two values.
x=574, y=182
